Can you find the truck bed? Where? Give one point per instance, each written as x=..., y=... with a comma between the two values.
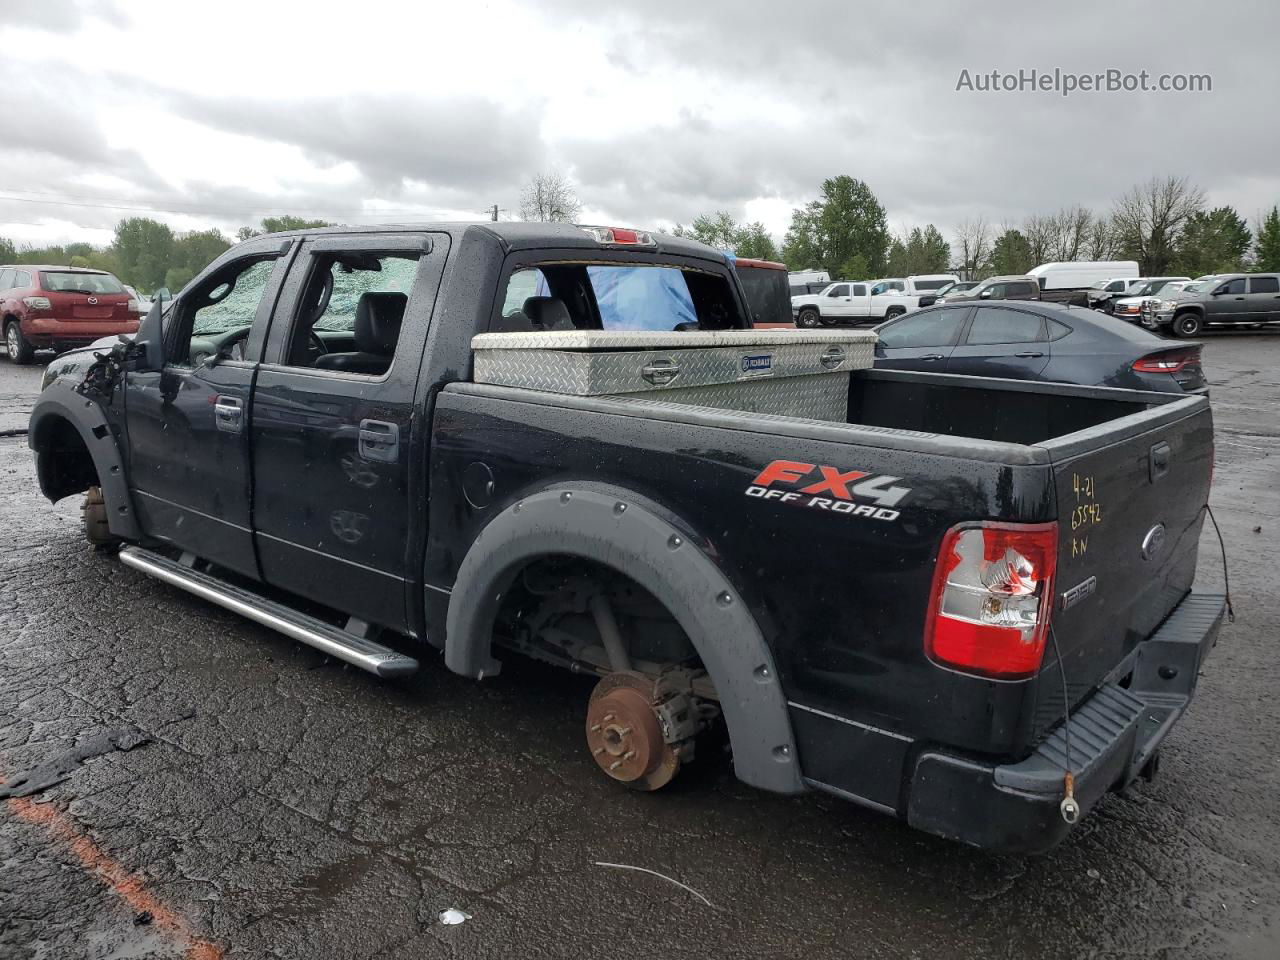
x=845, y=596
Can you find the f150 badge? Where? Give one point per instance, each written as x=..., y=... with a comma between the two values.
x=820, y=487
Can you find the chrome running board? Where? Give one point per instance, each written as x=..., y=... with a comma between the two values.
x=330, y=640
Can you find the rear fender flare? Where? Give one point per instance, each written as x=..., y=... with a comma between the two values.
x=60, y=402
x=629, y=534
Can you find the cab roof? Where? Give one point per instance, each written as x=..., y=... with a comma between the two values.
x=517, y=235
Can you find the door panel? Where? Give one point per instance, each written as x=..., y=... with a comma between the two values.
x=859, y=301
x=191, y=477
x=1002, y=342
x=332, y=448
x=187, y=424
x=836, y=303
x=1264, y=299
x=1229, y=303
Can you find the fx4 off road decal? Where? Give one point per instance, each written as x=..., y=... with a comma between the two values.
x=820, y=487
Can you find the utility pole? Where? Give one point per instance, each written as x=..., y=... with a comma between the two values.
x=493, y=213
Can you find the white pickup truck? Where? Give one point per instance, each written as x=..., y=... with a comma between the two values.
x=866, y=301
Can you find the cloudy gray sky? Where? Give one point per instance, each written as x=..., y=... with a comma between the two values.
x=220, y=113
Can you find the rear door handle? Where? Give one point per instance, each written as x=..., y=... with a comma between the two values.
x=379, y=441
x=1028, y=354
x=228, y=414
x=933, y=356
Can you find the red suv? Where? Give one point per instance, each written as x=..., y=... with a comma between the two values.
x=61, y=307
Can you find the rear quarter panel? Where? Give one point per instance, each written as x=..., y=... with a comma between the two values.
x=841, y=598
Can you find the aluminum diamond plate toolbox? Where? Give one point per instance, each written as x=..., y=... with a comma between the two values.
x=812, y=398
x=597, y=362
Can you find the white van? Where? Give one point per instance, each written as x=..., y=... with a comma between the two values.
x=1083, y=273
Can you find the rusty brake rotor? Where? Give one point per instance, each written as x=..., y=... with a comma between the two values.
x=624, y=734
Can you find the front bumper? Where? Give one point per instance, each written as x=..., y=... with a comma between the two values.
x=1013, y=808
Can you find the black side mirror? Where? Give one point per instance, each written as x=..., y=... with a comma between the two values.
x=148, y=346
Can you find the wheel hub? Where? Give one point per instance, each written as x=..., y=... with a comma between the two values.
x=624, y=734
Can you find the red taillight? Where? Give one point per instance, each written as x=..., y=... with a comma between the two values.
x=1169, y=362
x=992, y=594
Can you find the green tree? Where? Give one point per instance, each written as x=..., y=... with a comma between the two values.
x=8, y=252
x=753, y=241
x=283, y=223
x=1213, y=242
x=722, y=231
x=192, y=253
x=279, y=225
x=717, y=230
x=1267, y=253
x=920, y=251
x=802, y=247
x=855, y=268
x=144, y=251
x=846, y=222
x=1011, y=254
x=898, y=257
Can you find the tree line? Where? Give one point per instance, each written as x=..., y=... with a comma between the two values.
x=1163, y=224
x=147, y=254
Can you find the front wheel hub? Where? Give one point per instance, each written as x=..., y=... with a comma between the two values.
x=625, y=735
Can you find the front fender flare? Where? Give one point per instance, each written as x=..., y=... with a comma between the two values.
x=623, y=532
x=60, y=402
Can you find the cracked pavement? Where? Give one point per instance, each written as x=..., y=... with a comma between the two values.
x=287, y=806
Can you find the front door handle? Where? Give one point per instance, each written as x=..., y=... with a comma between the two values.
x=379, y=441
x=1029, y=354
x=228, y=414
x=932, y=356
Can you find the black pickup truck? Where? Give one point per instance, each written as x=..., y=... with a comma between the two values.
x=896, y=595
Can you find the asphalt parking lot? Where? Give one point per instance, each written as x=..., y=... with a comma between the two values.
x=251, y=799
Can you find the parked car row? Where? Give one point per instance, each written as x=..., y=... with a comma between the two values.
x=1129, y=306
x=1090, y=283
x=860, y=301
x=59, y=308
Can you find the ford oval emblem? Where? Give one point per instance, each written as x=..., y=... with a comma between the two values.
x=1153, y=542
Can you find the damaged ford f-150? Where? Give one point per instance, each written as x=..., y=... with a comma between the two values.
x=960, y=601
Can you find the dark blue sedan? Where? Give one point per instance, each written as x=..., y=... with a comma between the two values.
x=1033, y=340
